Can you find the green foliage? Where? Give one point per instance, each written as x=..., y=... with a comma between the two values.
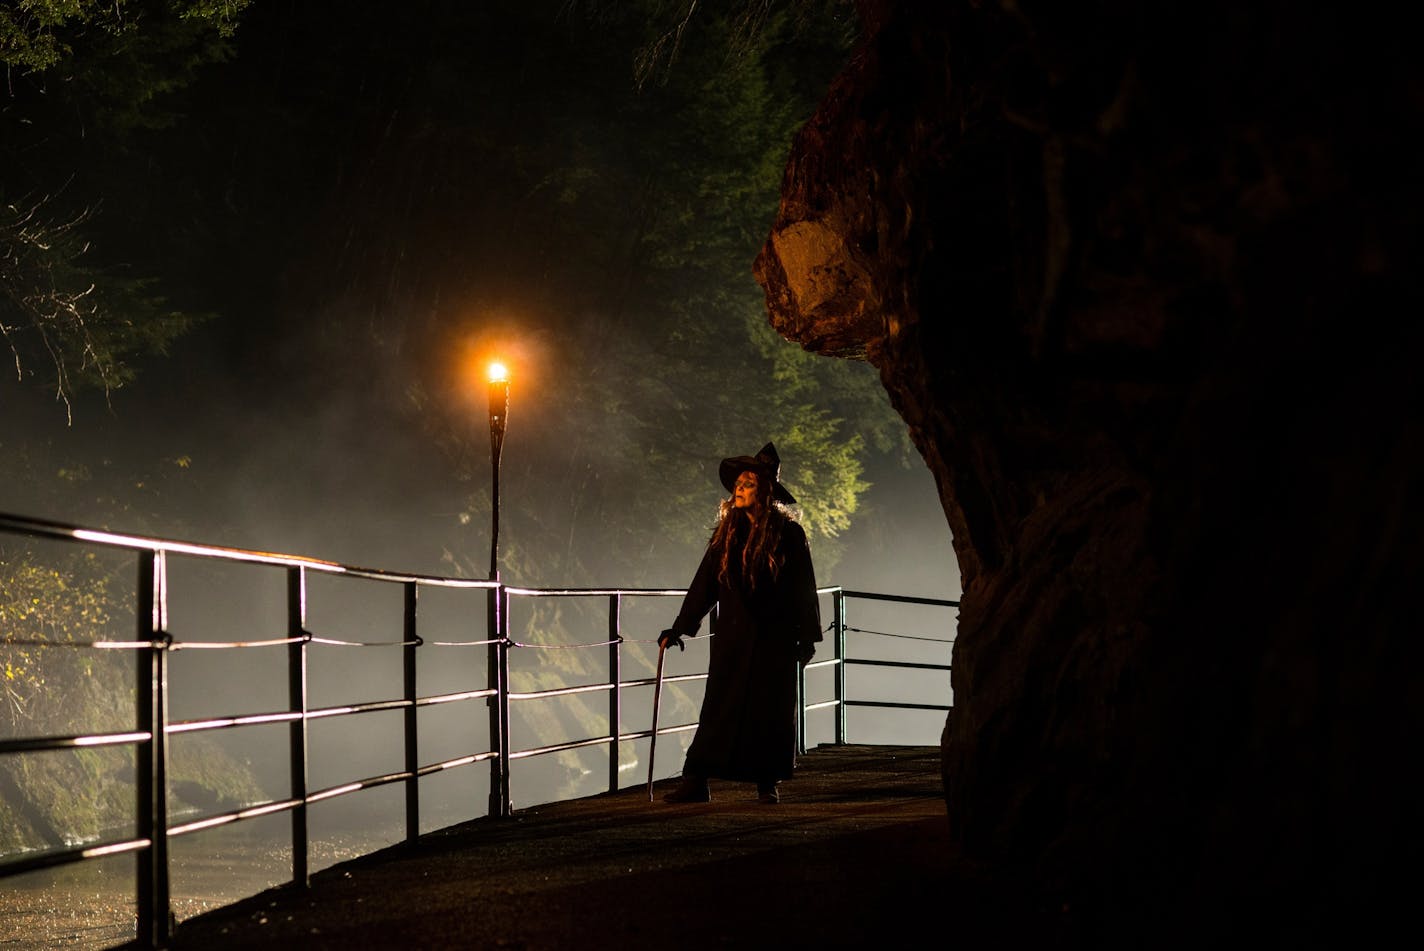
x=85, y=75
x=29, y=31
x=719, y=381
x=38, y=35
x=43, y=605
x=69, y=323
x=52, y=685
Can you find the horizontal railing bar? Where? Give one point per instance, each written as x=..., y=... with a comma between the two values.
x=268, y=808
x=37, y=744
x=560, y=691
x=897, y=706
x=168, y=546
x=370, y=782
x=457, y=761
x=667, y=679
x=828, y=662
x=564, y=647
x=896, y=663
x=452, y=697
x=593, y=688
x=817, y=706
x=560, y=747
x=601, y=740
x=331, y=792
x=337, y=642
x=70, y=856
x=493, y=640
x=898, y=598
x=233, y=645
x=258, y=719
x=902, y=637
x=343, y=789
x=58, y=530
x=91, y=645
x=662, y=731
x=223, y=723
x=597, y=741
x=369, y=707
x=594, y=592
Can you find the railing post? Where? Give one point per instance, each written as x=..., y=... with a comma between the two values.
x=151, y=610
x=506, y=803
x=297, y=703
x=615, y=696
x=498, y=680
x=412, y=723
x=839, y=619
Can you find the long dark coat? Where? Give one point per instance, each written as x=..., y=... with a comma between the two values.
x=747, y=729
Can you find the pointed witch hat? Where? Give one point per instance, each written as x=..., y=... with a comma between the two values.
x=766, y=464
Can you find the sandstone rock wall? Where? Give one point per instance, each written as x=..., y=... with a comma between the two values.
x=1143, y=280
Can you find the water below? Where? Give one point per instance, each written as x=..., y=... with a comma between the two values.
x=91, y=904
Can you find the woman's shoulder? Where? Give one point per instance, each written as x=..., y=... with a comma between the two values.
x=791, y=529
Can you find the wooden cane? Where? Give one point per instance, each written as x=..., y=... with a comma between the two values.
x=657, y=697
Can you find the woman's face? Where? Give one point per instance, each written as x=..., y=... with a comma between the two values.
x=744, y=491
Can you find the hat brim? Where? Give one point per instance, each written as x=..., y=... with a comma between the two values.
x=736, y=465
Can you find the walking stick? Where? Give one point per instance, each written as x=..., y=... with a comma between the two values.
x=657, y=696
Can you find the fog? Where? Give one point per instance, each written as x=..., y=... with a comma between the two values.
x=321, y=479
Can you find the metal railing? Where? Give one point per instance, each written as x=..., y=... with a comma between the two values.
x=153, y=645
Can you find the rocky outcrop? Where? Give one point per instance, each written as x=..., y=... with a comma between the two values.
x=1142, y=281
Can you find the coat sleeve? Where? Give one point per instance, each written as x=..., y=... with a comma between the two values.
x=803, y=607
x=701, y=595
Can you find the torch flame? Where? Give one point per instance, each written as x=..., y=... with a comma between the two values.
x=498, y=373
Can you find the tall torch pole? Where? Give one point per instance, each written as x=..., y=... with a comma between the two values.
x=498, y=661
x=498, y=418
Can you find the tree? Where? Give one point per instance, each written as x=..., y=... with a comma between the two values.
x=639, y=213
x=38, y=35
x=68, y=317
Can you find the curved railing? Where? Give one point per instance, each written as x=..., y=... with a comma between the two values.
x=153, y=645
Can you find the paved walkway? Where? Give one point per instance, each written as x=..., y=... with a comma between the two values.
x=855, y=855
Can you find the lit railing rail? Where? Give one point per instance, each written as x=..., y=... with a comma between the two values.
x=153, y=645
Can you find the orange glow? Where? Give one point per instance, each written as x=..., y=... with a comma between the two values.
x=498, y=373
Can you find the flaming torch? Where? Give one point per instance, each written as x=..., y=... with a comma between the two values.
x=498, y=419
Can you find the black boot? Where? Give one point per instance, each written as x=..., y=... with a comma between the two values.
x=766, y=793
x=693, y=788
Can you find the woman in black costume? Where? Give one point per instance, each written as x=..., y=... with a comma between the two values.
x=757, y=571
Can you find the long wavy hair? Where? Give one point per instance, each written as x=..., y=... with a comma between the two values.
x=762, y=538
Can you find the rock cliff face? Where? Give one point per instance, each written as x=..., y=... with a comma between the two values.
x=1143, y=281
